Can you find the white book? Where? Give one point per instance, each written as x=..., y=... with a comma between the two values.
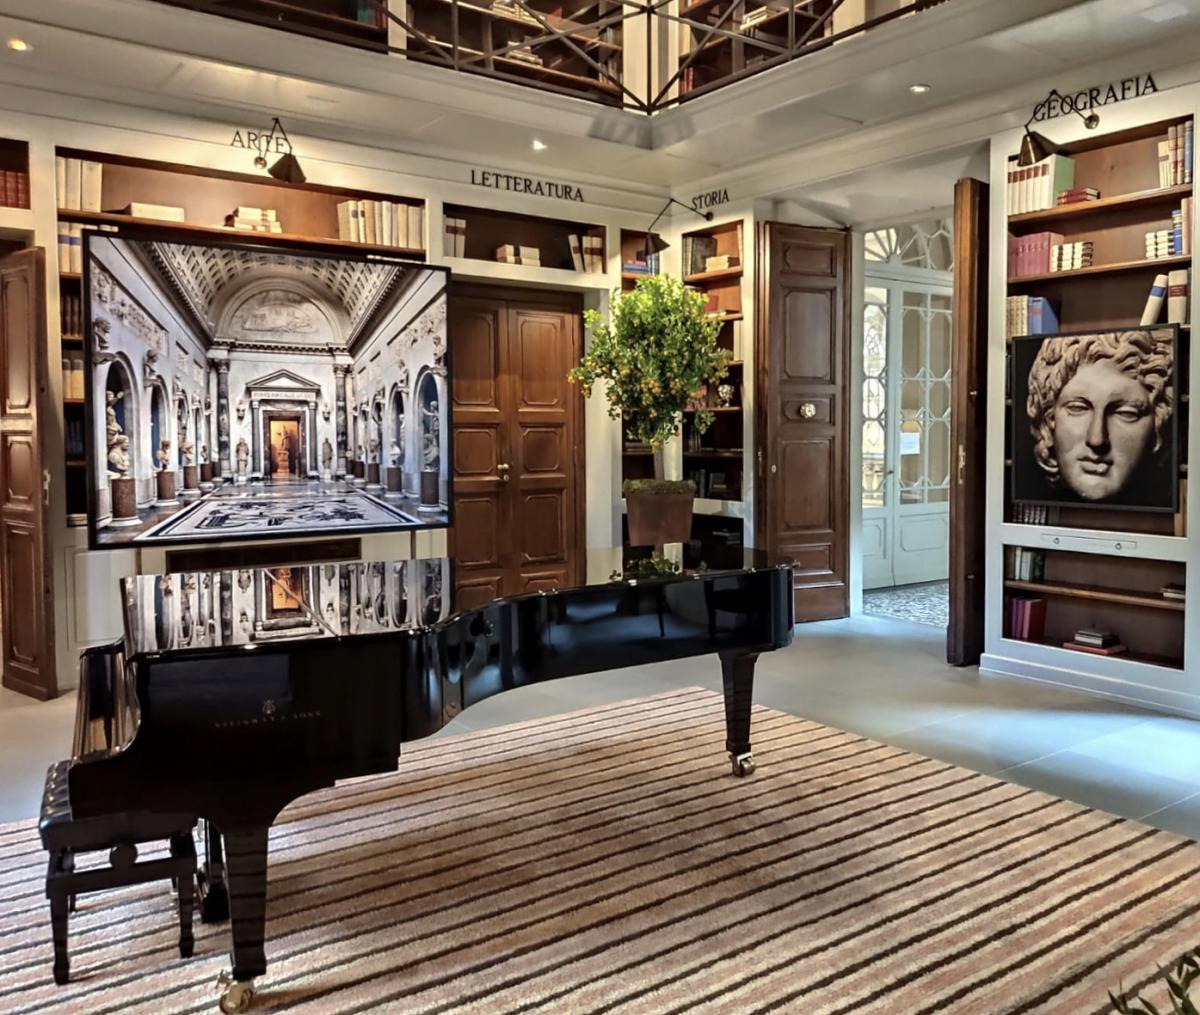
x=90, y=183
x=1177, y=297
x=377, y=211
x=72, y=197
x=401, y=225
x=361, y=231
x=416, y=226
x=60, y=180
x=76, y=241
x=386, y=220
x=1154, y=301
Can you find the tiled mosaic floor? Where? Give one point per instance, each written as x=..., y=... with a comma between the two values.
x=927, y=603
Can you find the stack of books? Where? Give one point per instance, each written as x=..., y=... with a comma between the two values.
x=1160, y=243
x=1035, y=188
x=1175, y=156
x=637, y=268
x=1077, y=195
x=1026, y=618
x=514, y=10
x=511, y=253
x=1175, y=592
x=754, y=17
x=1098, y=642
x=455, y=238
x=72, y=368
x=383, y=223
x=161, y=212
x=1030, y=255
x=14, y=188
x=74, y=438
x=79, y=183
x=523, y=54
x=1030, y=315
x=1069, y=256
x=1031, y=514
x=1026, y=565
x=253, y=220
x=722, y=262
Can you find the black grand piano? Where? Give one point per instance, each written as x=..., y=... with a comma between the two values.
x=247, y=688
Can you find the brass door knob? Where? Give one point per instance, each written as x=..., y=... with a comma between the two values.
x=807, y=410
x=502, y=468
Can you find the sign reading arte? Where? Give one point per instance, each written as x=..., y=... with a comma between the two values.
x=1093, y=98
x=525, y=185
x=261, y=141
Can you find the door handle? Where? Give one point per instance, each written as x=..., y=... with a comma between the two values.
x=962, y=464
x=502, y=468
x=45, y=487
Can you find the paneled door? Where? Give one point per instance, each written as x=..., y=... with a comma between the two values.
x=803, y=422
x=518, y=442
x=26, y=582
x=907, y=341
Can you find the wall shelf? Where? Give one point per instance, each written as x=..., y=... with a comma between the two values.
x=1083, y=209
x=1096, y=593
x=1104, y=269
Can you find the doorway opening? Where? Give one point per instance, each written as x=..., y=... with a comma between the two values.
x=907, y=344
x=284, y=451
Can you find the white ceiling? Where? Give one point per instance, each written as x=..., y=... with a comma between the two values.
x=996, y=53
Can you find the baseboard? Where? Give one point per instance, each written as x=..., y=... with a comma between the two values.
x=1157, y=699
x=27, y=688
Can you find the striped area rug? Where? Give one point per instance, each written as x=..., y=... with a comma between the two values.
x=607, y=860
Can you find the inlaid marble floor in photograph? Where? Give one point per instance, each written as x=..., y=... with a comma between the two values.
x=924, y=603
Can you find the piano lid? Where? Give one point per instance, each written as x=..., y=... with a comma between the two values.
x=251, y=607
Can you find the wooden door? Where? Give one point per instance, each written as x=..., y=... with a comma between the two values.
x=803, y=410
x=518, y=443
x=26, y=583
x=968, y=424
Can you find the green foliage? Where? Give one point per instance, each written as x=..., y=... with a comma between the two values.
x=658, y=486
x=647, y=567
x=1179, y=980
x=656, y=351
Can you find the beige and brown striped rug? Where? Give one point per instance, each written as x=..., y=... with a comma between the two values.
x=608, y=861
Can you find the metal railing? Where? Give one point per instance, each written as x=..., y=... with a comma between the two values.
x=689, y=47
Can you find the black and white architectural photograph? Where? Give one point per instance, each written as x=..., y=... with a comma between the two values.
x=238, y=392
x=1094, y=419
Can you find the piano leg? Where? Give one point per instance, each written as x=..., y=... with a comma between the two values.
x=213, y=893
x=737, y=672
x=246, y=857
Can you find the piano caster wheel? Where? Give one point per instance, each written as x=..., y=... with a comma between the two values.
x=237, y=995
x=743, y=764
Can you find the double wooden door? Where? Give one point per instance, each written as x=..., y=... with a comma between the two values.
x=26, y=587
x=518, y=442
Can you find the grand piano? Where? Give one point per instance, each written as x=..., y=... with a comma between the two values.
x=237, y=691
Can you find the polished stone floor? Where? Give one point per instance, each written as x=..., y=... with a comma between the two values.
x=923, y=603
x=881, y=678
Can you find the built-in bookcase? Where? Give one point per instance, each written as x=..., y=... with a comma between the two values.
x=14, y=174
x=307, y=212
x=557, y=242
x=360, y=23
x=1104, y=587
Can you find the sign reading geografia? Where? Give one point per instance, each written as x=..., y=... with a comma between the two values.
x=1087, y=99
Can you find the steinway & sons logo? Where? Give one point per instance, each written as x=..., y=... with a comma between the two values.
x=1093, y=98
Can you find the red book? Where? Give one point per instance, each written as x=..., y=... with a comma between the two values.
x=22, y=190
x=1036, y=620
x=7, y=196
x=1096, y=650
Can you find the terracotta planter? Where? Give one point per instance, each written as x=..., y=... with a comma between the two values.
x=429, y=488
x=657, y=518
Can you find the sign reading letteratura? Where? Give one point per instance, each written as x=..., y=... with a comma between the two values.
x=1093, y=98
x=525, y=185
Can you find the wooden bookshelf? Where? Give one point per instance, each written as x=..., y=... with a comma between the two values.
x=633, y=250
x=1115, y=593
x=488, y=229
x=14, y=174
x=573, y=46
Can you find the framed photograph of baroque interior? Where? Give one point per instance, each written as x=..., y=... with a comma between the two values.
x=1094, y=419
x=243, y=390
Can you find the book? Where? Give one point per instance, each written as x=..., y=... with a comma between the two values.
x=1187, y=152
x=1174, y=591
x=76, y=247
x=1154, y=301
x=415, y=213
x=1178, y=289
x=72, y=197
x=90, y=185
x=1164, y=164
x=1108, y=650
x=576, y=252
x=163, y=212
x=60, y=180
x=722, y=262
x=702, y=248
x=1095, y=636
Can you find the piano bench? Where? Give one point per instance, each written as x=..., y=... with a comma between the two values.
x=63, y=836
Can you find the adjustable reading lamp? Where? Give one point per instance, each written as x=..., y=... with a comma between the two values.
x=1035, y=146
x=287, y=168
x=655, y=244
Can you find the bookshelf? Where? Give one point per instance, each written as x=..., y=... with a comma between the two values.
x=573, y=46
x=361, y=23
x=308, y=212
x=714, y=460
x=14, y=174
x=1083, y=567
x=486, y=230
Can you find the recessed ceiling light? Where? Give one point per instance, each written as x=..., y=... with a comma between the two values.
x=19, y=45
x=920, y=89
x=538, y=146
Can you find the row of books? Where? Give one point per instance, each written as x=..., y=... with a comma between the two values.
x=1077, y=195
x=587, y=253
x=649, y=266
x=383, y=223
x=1033, y=514
x=72, y=370
x=1070, y=256
x=454, y=236
x=1029, y=315
x=511, y=253
x=70, y=245
x=1025, y=565
x=1174, y=591
x=1026, y=618
x=74, y=434
x=1173, y=289
x=701, y=251
x=1175, y=156
x=1031, y=254
x=78, y=183
x=70, y=315
x=1175, y=241
x=1036, y=187
x=254, y=220
x=14, y=188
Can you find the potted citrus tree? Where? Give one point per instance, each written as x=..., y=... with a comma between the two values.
x=658, y=353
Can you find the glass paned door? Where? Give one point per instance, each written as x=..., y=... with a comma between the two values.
x=905, y=432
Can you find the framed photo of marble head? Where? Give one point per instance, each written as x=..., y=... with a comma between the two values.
x=1095, y=419
x=254, y=390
